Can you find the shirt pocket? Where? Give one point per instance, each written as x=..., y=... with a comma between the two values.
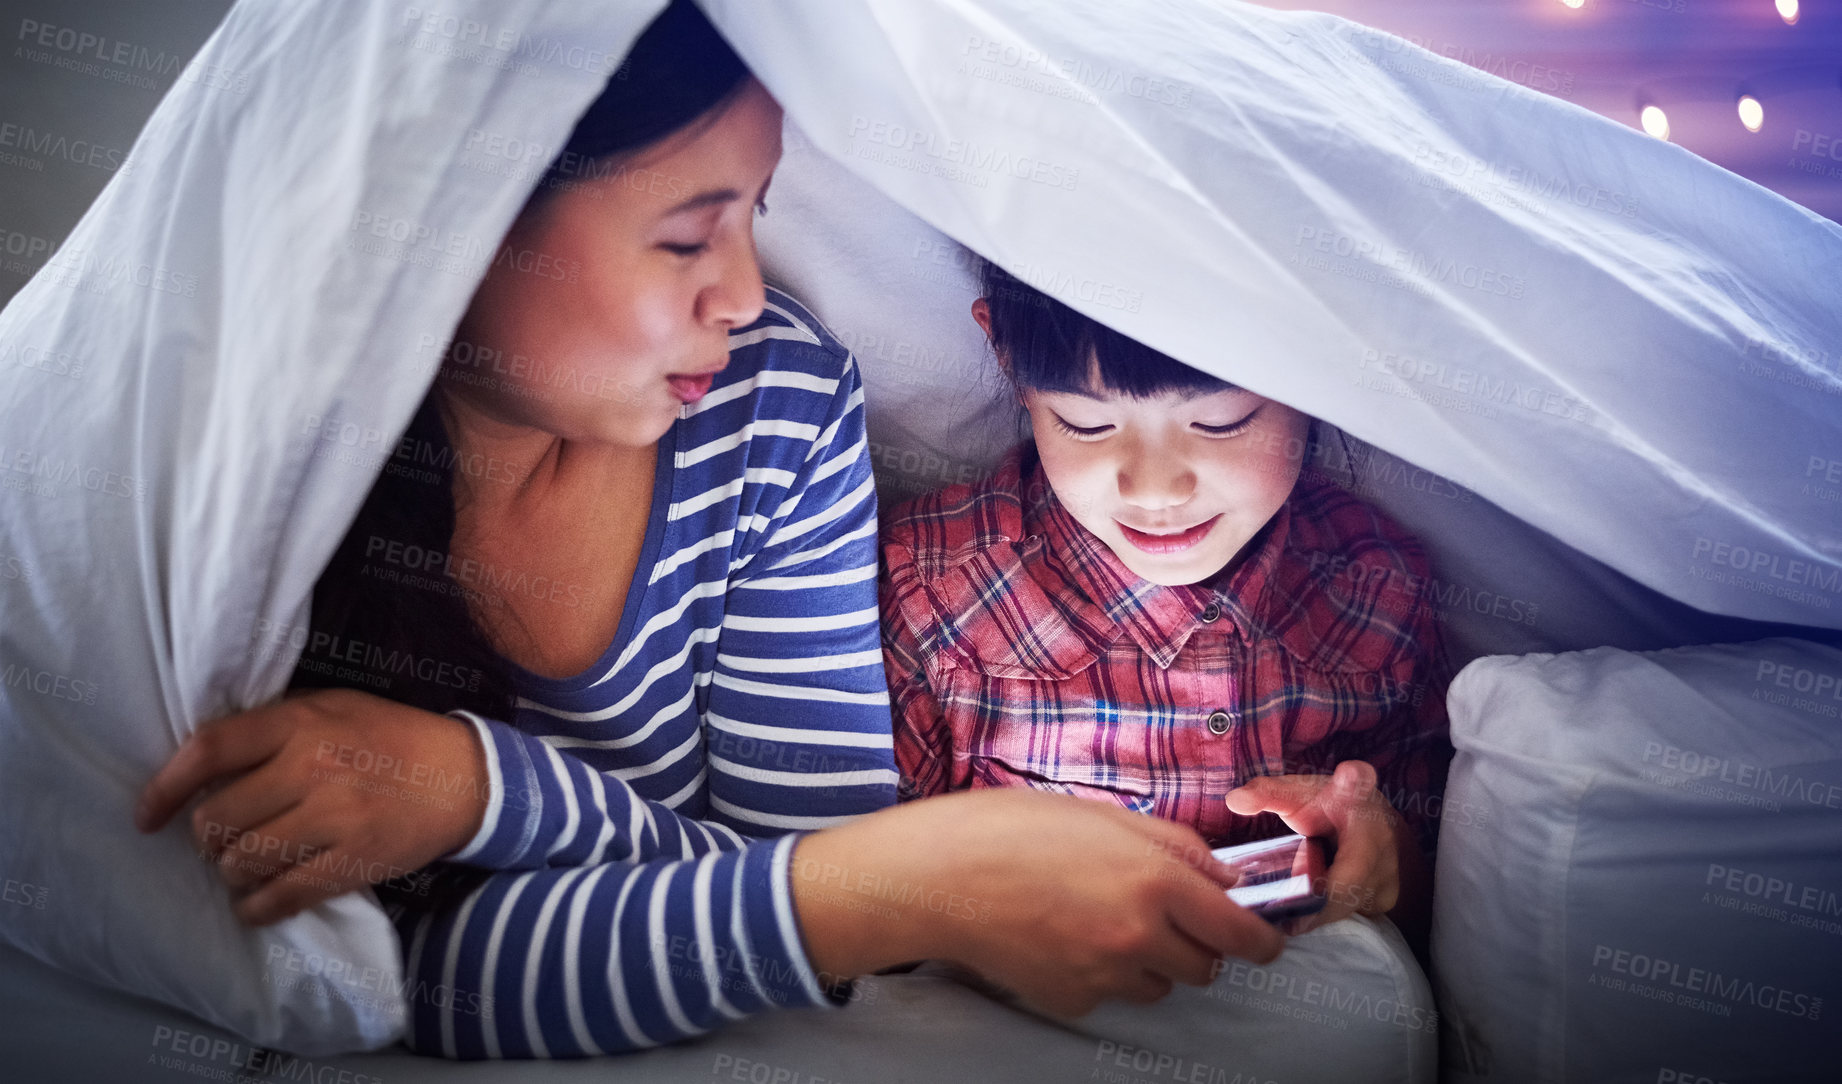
x=1067, y=779
x=1057, y=736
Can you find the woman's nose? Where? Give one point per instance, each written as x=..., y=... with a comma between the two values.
x=736, y=298
x=1154, y=479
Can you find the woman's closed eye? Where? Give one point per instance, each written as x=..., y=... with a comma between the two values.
x=696, y=248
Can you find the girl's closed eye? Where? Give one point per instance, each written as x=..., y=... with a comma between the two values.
x=1080, y=432
x=1232, y=428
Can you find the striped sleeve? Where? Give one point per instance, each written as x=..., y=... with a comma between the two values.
x=798, y=716
x=549, y=808
x=568, y=963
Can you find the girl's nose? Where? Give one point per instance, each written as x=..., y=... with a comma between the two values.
x=1154, y=479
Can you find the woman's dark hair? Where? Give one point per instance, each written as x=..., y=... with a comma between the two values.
x=387, y=616
x=1048, y=346
x=679, y=69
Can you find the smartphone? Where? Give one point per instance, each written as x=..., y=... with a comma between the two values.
x=1281, y=878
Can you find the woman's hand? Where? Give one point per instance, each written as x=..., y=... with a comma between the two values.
x=1347, y=809
x=323, y=792
x=1065, y=902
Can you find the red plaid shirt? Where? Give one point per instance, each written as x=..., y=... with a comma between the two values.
x=1022, y=652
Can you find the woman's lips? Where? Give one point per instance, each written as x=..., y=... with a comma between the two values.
x=1161, y=544
x=689, y=389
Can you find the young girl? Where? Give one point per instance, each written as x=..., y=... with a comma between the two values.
x=1146, y=606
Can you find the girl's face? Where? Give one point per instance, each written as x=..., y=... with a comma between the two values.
x=1175, y=485
x=609, y=304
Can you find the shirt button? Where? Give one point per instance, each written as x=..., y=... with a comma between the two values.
x=1211, y=612
x=1218, y=723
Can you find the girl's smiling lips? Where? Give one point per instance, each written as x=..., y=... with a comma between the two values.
x=1168, y=542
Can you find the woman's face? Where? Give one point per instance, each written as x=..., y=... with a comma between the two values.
x=609, y=304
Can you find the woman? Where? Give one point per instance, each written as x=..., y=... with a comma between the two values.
x=704, y=827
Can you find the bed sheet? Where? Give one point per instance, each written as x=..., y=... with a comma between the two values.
x=1345, y=1002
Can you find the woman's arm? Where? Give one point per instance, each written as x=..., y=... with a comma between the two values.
x=549, y=808
x=1065, y=901
x=327, y=791
x=559, y=963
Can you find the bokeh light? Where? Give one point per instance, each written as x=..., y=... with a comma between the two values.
x=1655, y=121
x=1787, y=10
x=1752, y=114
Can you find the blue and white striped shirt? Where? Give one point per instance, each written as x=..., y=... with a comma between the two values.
x=639, y=893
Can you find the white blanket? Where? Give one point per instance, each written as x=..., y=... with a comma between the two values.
x=1615, y=341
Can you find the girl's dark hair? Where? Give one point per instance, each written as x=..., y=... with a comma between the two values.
x=1048, y=346
x=387, y=617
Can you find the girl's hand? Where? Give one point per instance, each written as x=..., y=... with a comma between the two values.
x=322, y=793
x=1063, y=901
x=1347, y=809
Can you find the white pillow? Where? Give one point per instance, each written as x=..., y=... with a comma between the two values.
x=1640, y=867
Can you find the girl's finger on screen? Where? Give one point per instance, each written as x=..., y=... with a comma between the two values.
x=1280, y=794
